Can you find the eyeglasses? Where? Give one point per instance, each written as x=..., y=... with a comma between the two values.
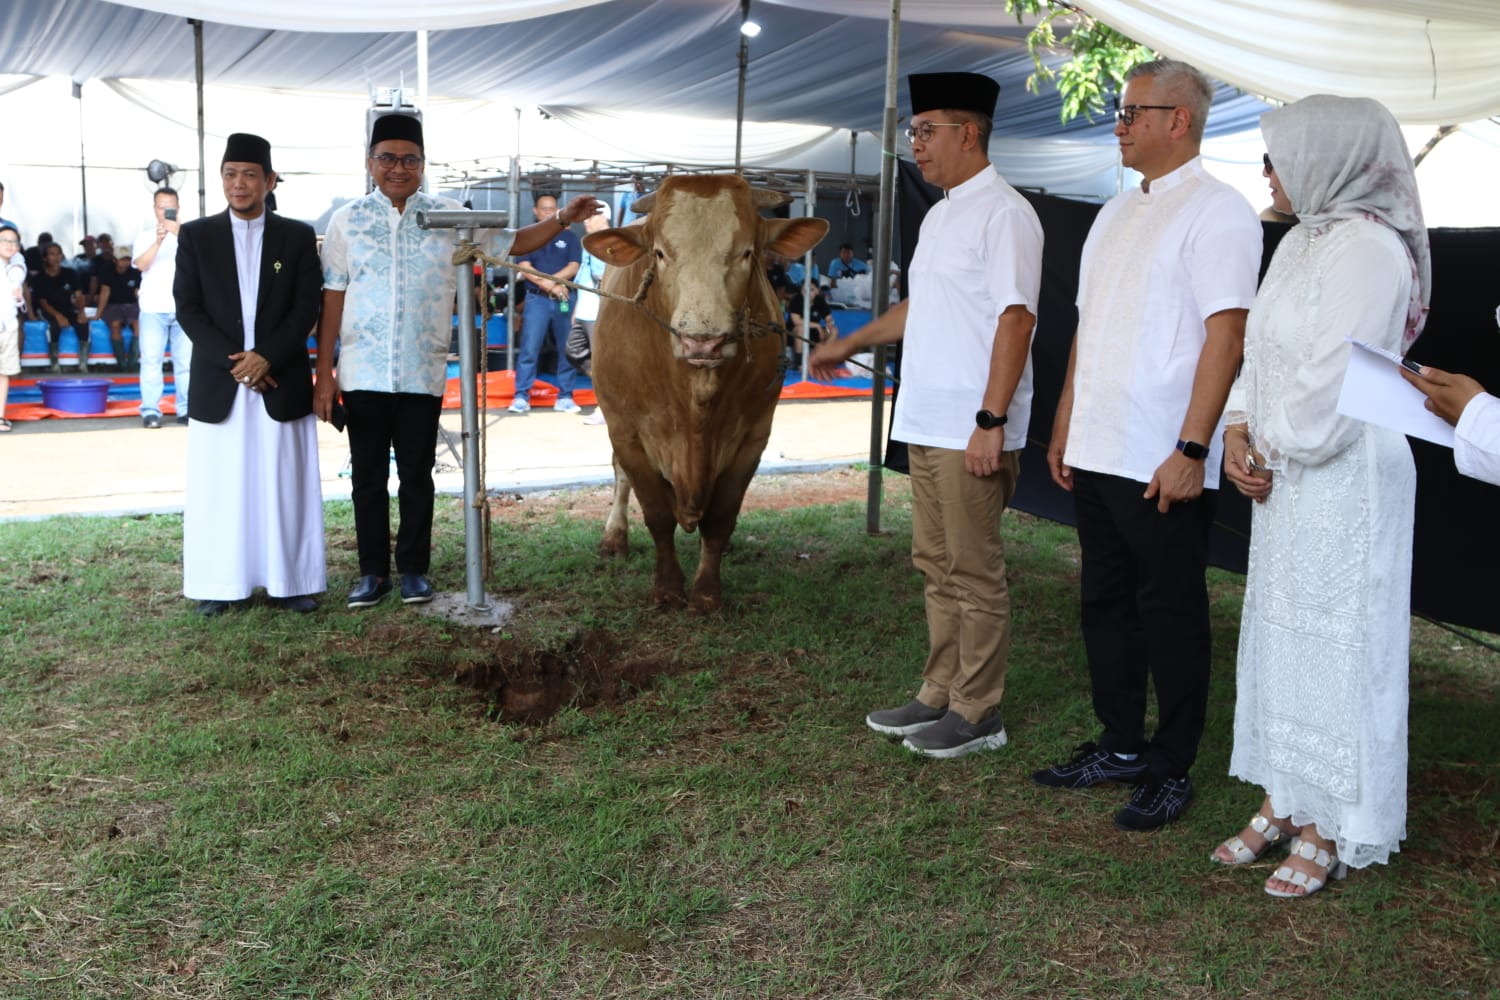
x=924, y=130
x=1265, y=158
x=410, y=161
x=9, y=242
x=1126, y=115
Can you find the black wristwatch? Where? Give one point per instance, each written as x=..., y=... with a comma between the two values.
x=987, y=421
x=1192, y=449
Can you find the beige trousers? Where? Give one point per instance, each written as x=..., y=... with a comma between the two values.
x=955, y=543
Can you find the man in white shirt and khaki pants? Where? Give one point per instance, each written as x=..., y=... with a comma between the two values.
x=963, y=408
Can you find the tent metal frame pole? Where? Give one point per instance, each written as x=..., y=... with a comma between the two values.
x=468, y=371
x=83, y=170
x=739, y=104
x=514, y=223
x=809, y=209
x=881, y=299
x=198, y=80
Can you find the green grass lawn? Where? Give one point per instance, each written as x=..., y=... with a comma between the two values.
x=335, y=805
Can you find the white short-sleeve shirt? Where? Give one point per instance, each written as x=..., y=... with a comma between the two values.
x=155, y=295
x=979, y=252
x=1155, y=266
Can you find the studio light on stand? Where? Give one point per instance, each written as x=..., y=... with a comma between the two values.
x=160, y=172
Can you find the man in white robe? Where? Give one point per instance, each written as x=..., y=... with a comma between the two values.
x=247, y=289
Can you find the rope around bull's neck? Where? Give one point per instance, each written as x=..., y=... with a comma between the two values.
x=467, y=253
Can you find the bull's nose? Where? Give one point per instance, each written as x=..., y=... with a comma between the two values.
x=702, y=348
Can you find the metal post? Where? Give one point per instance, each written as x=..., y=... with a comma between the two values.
x=468, y=370
x=83, y=173
x=739, y=113
x=511, y=333
x=881, y=298
x=198, y=76
x=809, y=208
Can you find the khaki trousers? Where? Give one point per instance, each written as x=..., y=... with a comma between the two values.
x=955, y=543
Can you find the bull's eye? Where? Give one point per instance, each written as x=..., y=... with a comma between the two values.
x=661, y=256
x=746, y=255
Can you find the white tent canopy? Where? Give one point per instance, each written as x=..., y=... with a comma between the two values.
x=1427, y=60
x=652, y=80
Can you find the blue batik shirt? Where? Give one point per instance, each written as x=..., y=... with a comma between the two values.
x=398, y=282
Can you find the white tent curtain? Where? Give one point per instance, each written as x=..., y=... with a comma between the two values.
x=1425, y=67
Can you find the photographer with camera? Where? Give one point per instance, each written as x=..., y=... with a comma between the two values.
x=156, y=259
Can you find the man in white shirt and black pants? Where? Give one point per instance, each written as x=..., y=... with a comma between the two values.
x=963, y=408
x=1167, y=277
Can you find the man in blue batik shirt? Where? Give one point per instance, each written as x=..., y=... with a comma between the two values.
x=388, y=292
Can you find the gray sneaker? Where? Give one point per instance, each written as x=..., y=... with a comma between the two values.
x=905, y=720
x=953, y=736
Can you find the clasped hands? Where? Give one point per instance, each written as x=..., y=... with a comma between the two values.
x=250, y=369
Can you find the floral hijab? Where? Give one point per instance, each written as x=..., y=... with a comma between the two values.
x=1345, y=158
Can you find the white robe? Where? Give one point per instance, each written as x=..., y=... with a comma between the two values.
x=253, y=510
x=1320, y=720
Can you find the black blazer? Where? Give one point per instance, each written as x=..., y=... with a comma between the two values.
x=207, y=289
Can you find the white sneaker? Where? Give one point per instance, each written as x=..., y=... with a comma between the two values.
x=565, y=404
x=519, y=405
x=594, y=419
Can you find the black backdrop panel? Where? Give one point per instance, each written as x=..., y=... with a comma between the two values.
x=1457, y=531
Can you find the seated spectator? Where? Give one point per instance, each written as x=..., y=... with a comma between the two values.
x=847, y=264
x=820, y=328
x=57, y=297
x=795, y=271
x=83, y=262
x=36, y=254
x=119, y=304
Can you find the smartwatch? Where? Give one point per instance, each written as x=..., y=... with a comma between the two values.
x=1192, y=449
x=987, y=421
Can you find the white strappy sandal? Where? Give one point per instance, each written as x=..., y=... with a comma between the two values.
x=1272, y=833
x=1330, y=863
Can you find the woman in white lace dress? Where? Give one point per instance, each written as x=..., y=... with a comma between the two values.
x=1320, y=721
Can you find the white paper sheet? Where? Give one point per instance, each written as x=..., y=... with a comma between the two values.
x=1374, y=391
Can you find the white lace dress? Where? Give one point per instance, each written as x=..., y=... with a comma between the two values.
x=1320, y=721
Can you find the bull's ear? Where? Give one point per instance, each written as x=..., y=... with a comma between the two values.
x=620, y=246
x=793, y=237
x=761, y=198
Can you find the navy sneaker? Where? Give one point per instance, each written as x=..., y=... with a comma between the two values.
x=368, y=592
x=415, y=589
x=1091, y=766
x=1156, y=802
x=954, y=736
x=302, y=604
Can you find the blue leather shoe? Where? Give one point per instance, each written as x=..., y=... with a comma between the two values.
x=212, y=609
x=368, y=592
x=415, y=589
x=302, y=603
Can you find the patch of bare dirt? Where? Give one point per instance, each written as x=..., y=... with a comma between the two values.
x=529, y=685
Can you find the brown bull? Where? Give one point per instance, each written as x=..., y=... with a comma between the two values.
x=690, y=408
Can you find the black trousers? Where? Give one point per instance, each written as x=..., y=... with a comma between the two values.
x=377, y=423
x=1145, y=610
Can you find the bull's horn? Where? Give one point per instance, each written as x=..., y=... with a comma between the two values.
x=769, y=199
x=642, y=205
